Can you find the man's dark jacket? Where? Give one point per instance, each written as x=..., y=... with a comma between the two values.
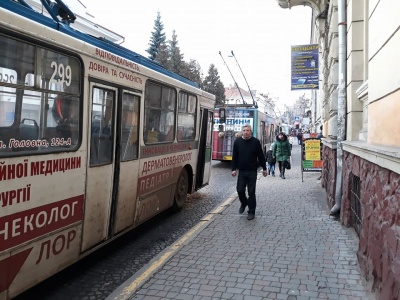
x=247, y=155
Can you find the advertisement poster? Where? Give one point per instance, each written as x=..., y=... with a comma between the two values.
x=311, y=155
x=304, y=73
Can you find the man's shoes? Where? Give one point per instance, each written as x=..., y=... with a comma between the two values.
x=250, y=216
x=283, y=176
x=242, y=208
x=273, y=174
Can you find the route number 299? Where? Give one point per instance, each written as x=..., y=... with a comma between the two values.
x=61, y=74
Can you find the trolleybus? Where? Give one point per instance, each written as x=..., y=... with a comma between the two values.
x=94, y=140
x=228, y=126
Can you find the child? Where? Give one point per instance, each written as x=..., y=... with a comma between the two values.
x=271, y=161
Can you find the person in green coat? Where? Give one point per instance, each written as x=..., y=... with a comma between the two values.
x=281, y=151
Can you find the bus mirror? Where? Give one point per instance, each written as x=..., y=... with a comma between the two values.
x=222, y=115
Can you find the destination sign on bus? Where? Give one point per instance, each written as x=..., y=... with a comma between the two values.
x=233, y=124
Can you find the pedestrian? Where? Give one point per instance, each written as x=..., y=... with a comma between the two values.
x=247, y=157
x=281, y=151
x=320, y=134
x=291, y=141
x=300, y=138
x=271, y=160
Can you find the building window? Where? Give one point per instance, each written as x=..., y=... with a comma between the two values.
x=356, y=217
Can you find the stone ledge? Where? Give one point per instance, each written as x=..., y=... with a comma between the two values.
x=331, y=143
x=385, y=156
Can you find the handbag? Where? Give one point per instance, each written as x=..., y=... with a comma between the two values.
x=288, y=165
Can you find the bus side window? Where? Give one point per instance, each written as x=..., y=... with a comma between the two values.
x=101, y=146
x=65, y=113
x=36, y=79
x=28, y=131
x=129, y=126
x=181, y=131
x=152, y=134
x=189, y=133
x=187, y=116
x=159, y=113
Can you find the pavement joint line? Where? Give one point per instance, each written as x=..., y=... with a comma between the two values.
x=132, y=284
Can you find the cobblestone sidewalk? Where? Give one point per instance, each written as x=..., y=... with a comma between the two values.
x=293, y=249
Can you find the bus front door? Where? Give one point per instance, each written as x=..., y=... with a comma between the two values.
x=101, y=166
x=127, y=171
x=205, y=148
x=112, y=171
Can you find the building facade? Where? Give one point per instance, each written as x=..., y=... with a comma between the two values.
x=358, y=103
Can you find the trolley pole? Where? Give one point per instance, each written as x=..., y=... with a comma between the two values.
x=244, y=102
x=254, y=102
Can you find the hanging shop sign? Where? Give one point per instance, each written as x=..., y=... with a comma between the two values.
x=305, y=75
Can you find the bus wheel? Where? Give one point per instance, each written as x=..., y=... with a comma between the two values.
x=181, y=190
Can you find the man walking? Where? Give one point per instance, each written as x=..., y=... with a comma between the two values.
x=300, y=137
x=247, y=156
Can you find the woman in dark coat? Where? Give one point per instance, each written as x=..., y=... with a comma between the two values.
x=281, y=151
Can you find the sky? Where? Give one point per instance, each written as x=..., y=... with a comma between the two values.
x=259, y=32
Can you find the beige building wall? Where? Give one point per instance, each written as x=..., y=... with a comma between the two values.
x=384, y=75
x=331, y=54
x=373, y=97
x=355, y=67
x=383, y=116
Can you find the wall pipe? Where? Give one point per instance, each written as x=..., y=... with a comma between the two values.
x=341, y=114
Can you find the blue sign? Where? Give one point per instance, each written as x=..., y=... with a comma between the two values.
x=305, y=67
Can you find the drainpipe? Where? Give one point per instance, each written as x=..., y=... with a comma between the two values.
x=341, y=116
x=315, y=112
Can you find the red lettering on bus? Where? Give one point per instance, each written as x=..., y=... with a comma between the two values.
x=154, y=181
x=60, y=243
x=29, y=224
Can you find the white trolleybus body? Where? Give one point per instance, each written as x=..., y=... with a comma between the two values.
x=227, y=129
x=94, y=140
